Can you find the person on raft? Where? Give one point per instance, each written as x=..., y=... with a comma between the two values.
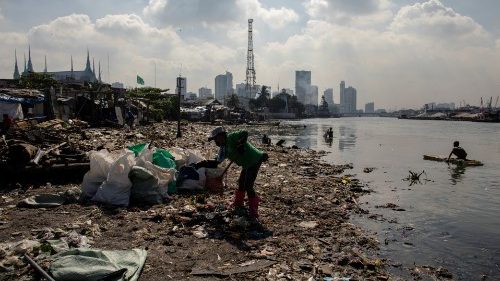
x=458, y=151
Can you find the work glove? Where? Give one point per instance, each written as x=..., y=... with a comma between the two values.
x=206, y=164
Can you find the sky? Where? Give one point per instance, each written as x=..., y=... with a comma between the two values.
x=398, y=54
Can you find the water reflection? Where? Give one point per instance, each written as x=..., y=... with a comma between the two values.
x=456, y=173
x=347, y=137
x=323, y=133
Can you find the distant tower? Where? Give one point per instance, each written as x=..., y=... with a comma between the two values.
x=93, y=66
x=100, y=72
x=45, y=68
x=30, y=65
x=16, y=70
x=72, y=67
x=250, y=81
x=24, y=71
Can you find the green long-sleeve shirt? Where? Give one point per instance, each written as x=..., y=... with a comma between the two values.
x=250, y=156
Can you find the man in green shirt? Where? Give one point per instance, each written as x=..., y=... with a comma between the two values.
x=235, y=147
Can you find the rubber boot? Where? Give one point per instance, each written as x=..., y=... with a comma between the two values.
x=239, y=198
x=238, y=204
x=253, y=204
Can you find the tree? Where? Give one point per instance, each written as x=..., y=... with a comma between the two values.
x=233, y=101
x=261, y=101
x=38, y=81
x=277, y=103
x=161, y=106
x=296, y=106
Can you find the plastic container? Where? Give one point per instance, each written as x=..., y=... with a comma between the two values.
x=214, y=182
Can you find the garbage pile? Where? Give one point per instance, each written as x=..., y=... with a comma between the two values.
x=143, y=175
x=305, y=209
x=32, y=149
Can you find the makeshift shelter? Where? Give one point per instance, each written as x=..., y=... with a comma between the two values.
x=18, y=103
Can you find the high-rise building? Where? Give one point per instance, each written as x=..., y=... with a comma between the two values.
x=223, y=86
x=205, y=93
x=341, y=93
x=313, y=95
x=328, y=93
x=302, y=84
x=370, y=107
x=183, y=85
x=347, y=99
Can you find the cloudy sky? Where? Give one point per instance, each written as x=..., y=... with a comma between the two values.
x=400, y=53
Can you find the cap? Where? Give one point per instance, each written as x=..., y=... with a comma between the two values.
x=215, y=132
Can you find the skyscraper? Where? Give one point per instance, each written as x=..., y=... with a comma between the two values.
x=302, y=84
x=183, y=87
x=205, y=93
x=223, y=86
x=370, y=107
x=347, y=99
x=314, y=95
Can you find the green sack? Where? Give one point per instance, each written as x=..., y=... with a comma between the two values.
x=163, y=158
x=137, y=148
x=94, y=264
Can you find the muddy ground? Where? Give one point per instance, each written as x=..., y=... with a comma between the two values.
x=305, y=210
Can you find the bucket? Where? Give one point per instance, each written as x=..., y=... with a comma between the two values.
x=214, y=182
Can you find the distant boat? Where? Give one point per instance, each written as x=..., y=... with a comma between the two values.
x=454, y=160
x=403, y=116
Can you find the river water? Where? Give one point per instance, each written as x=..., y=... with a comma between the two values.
x=451, y=218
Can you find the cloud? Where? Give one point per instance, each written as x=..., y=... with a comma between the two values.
x=133, y=47
x=433, y=20
x=209, y=13
x=413, y=58
x=188, y=12
x=390, y=68
x=348, y=12
x=274, y=17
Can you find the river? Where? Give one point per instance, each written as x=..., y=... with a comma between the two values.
x=451, y=218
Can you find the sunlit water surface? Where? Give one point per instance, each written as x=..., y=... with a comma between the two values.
x=452, y=219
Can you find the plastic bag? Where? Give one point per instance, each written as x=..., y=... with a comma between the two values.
x=137, y=148
x=116, y=189
x=100, y=163
x=163, y=158
x=164, y=175
x=180, y=156
x=145, y=190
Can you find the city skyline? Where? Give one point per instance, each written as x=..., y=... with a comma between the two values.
x=399, y=54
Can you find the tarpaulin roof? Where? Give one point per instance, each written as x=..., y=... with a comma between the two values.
x=22, y=96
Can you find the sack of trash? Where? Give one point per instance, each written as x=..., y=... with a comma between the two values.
x=140, y=174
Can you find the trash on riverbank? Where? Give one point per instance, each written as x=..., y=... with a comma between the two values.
x=305, y=209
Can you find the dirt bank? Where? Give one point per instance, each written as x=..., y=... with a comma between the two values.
x=305, y=209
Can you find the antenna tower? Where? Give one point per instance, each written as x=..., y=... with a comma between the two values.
x=250, y=81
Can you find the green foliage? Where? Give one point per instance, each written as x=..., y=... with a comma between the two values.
x=161, y=106
x=40, y=81
x=277, y=104
x=261, y=101
x=296, y=106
